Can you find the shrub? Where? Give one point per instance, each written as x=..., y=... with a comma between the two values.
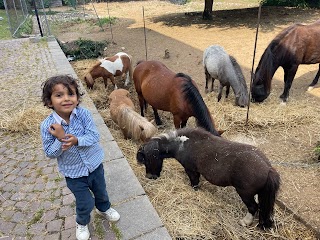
x=293, y=3
x=83, y=49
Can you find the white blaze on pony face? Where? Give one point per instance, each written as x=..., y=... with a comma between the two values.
x=181, y=139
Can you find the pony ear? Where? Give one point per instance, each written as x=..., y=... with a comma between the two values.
x=152, y=149
x=141, y=155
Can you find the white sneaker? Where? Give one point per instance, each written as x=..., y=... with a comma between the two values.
x=111, y=214
x=82, y=232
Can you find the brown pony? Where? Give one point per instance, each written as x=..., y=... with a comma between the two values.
x=177, y=93
x=222, y=163
x=131, y=123
x=297, y=44
x=110, y=67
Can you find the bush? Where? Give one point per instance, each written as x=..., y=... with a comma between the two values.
x=83, y=49
x=293, y=3
x=2, y=4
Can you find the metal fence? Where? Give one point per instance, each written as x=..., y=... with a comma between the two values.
x=18, y=11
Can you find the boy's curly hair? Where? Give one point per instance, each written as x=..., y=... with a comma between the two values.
x=66, y=80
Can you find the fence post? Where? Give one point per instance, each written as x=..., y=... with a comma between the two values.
x=36, y=12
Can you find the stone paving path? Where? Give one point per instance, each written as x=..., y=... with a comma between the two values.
x=35, y=202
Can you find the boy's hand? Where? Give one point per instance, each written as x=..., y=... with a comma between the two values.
x=57, y=131
x=68, y=141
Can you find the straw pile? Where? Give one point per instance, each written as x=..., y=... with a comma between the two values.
x=213, y=212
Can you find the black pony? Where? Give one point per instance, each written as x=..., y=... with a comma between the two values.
x=297, y=44
x=222, y=163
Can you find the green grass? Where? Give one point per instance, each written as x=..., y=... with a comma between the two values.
x=4, y=26
x=106, y=21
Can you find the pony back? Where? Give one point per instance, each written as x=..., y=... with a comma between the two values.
x=218, y=64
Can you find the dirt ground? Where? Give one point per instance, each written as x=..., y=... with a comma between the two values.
x=287, y=134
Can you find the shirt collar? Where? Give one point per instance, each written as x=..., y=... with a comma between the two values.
x=60, y=120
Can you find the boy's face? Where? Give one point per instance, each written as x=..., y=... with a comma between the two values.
x=62, y=101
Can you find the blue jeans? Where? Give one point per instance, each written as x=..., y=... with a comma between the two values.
x=89, y=191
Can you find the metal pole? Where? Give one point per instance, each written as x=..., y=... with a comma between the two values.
x=45, y=17
x=110, y=21
x=24, y=14
x=36, y=12
x=254, y=54
x=145, y=36
x=97, y=16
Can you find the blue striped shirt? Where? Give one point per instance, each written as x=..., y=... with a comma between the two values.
x=80, y=160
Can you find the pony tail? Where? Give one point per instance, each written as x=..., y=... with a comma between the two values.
x=267, y=198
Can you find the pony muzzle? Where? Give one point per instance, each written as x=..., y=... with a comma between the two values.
x=151, y=176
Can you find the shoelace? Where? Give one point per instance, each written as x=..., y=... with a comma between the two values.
x=82, y=228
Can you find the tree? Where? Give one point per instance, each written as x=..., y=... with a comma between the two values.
x=207, y=13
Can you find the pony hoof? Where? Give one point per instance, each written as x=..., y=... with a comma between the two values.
x=196, y=187
x=247, y=220
x=310, y=88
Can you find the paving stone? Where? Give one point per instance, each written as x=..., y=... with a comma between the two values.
x=55, y=236
x=54, y=225
x=20, y=230
x=66, y=211
x=68, y=199
x=68, y=234
x=37, y=229
x=6, y=227
x=121, y=182
x=157, y=234
x=111, y=150
x=70, y=222
x=17, y=217
x=142, y=218
x=49, y=215
x=7, y=214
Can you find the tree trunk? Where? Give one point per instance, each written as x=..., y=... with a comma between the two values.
x=207, y=13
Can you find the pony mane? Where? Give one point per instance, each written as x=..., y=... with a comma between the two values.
x=135, y=126
x=243, y=93
x=200, y=109
x=168, y=135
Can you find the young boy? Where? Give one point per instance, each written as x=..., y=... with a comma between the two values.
x=70, y=135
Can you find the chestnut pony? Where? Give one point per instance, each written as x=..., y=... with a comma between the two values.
x=297, y=44
x=221, y=162
x=177, y=93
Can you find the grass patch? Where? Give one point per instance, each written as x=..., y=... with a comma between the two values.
x=106, y=21
x=116, y=231
x=98, y=227
x=4, y=26
x=36, y=217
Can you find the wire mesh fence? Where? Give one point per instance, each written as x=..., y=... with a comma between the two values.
x=42, y=16
x=17, y=12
